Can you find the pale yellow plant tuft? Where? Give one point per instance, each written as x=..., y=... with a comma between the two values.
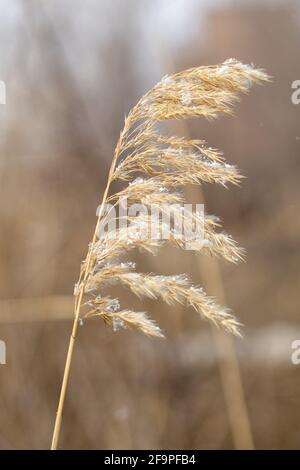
x=156, y=167
x=166, y=164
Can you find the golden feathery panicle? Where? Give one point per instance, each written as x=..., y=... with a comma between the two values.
x=170, y=289
x=138, y=235
x=156, y=167
x=109, y=310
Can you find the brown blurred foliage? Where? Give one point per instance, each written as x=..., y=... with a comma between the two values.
x=70, y=81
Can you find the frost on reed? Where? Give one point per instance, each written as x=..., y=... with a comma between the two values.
x=155, y=167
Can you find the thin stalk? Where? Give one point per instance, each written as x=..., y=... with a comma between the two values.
x=78, y=302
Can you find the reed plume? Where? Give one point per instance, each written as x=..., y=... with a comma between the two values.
x=155, y=167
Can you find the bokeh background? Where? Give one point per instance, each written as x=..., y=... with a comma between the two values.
x=72, y=71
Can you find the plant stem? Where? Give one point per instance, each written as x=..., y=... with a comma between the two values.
x=78, y=301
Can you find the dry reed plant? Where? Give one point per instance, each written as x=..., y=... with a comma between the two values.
x=155, y=167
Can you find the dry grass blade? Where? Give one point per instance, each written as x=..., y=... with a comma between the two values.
x=170, y=289
x=165, y=163
x=138, y=235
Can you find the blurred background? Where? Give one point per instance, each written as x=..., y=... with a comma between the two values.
x=72, y=71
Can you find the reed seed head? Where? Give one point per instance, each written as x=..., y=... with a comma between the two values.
x=155, y=168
